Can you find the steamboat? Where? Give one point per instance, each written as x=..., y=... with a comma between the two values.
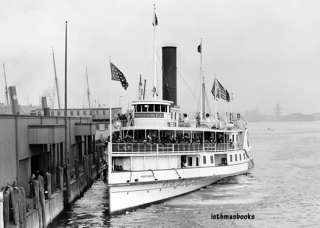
x=160, y=152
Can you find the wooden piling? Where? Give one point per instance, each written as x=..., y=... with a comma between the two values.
x=6, y=207
x=49, y=182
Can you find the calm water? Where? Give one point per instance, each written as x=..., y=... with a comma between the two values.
x=283, y=190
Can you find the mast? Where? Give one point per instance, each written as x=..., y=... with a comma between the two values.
x=5, y=82
x=140, y=89
x=56, y=79
x=66, y=94
x=110, y=129
x=144, y=89
x=88, y=89
x=202, y=86
x=155, y=23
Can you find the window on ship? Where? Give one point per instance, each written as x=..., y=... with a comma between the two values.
x=157, y=108
x=144, y=108
x=139, y=108
x=151, y=108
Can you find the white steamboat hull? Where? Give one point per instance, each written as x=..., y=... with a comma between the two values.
x=131, y=195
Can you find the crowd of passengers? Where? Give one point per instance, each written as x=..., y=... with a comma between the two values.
x=168, y=140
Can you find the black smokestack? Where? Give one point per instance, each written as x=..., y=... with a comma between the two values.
x=169, y=74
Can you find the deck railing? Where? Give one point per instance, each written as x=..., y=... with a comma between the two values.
x=148, y=148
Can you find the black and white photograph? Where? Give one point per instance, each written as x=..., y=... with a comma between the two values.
x=149, y=113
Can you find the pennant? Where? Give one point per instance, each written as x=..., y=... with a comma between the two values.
x=155, y=20
x=199, y=48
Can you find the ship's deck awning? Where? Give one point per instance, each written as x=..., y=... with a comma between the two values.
x=193, y=129
x=152, y=102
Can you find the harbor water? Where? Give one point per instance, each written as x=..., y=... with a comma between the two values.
x=283, y=189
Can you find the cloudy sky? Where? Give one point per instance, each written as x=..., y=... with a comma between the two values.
x=265, y=51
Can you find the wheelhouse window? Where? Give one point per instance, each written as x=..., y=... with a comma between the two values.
x=151, y=108
x=240, y=158
x=163, y=108
x=230, y=157
x=236, y=157
x=211, y=159
x=139, y=108
x=157, y=108
x=144, y=108
x=204, y=160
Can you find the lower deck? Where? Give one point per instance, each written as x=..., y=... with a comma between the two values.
x=176, y=161
x=176, y=167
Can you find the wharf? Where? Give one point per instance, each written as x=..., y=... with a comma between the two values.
x=39, y=178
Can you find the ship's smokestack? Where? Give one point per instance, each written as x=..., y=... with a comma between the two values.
x=169, y=73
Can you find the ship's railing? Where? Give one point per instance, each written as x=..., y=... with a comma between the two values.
x=140, y=148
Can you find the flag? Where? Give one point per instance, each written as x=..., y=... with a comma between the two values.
x=155, y=20
x=117, y=75
x=199, y=48
x=219, y=92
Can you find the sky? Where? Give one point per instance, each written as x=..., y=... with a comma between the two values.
x=264, y=51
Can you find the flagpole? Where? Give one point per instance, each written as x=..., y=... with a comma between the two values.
x=154, y=90
x=201, y=81
x=214, y=100
x=110, y=127
x=66, y=92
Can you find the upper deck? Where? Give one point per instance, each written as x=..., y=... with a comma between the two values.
x=162, y=115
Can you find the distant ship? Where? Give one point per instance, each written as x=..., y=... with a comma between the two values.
x=160, y=153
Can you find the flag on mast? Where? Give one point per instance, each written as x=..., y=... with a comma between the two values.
x=155, y=20
x=219, y=92
x=117, y=75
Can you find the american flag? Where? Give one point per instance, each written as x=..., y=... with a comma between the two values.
x=218, y=91
x=117, y=75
